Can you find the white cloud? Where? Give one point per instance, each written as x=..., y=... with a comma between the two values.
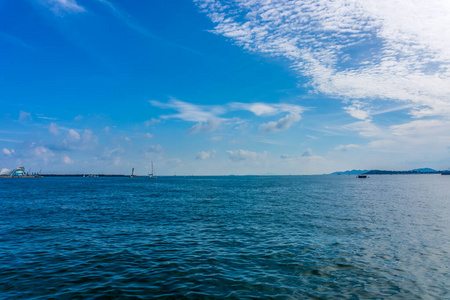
x=10, y=141
x=308, y=153
x=270, y=142
x=67, y=160
x=151, y=122
x=42, y=153
x=76, y=141
x=307, y=156
x=25, y=116
x=78, y=118
x=281, y=124
x=190, y=112
x=73, y=136
x=356, y=111
x=7, y=151
x=53, y=129
x=113, y=155
x=419, y=135
x=240, y=155
x=127, y=19
x=208, y=120
x=209, y=126
x=40, y=116
x=346, y=147
x=366, y=50
x=366, y=129
x=422, y=128
x=267, y=109
x=148, y=135
x=216, y=138
x=258, y=109
x=15, y=40
x=413, y=139
x=154, y=149
x=60, y=7
x=203, y=155
x=174, y=161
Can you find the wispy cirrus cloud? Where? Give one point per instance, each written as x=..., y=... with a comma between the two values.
x=10, y=140
x=240, y=155
x=153, y=149
x=426, y=136
x=61, y=7
x=365, y=50
x=417, y=139
x=346, y=147
x=25, y=116
x=267, y=109
x=190, y=112
x=208, y=117
x=14, y=40
x=128, y=20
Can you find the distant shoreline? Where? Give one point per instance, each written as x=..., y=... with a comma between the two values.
x=392, y=172
x=372, y=172
x=70, y=175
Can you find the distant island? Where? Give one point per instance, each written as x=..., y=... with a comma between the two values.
x=388, y=172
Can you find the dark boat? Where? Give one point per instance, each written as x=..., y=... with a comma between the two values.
x=362, y=176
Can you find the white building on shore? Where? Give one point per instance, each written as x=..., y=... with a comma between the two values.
x=20, y=171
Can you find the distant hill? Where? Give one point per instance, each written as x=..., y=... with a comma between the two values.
x=425, y=170
x=352, y=172
x=381, y=172
x=415, y=171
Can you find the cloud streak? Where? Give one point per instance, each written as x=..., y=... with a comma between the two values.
x=266, y=109
x=189, y=112
x=241, y=155
x=365, y=50
x=208, y=120
x=60, y=7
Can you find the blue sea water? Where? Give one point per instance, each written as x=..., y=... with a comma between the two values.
x=239, y=237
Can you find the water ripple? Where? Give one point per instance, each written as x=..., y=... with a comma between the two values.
x=225, y=237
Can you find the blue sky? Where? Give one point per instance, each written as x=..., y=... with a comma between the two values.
x=211, y=87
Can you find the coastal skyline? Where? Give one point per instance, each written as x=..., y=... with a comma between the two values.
x=211, y=87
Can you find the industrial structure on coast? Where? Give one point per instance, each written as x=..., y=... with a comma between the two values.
x=17, y=172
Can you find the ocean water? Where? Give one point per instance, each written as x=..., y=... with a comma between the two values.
x=241, y=237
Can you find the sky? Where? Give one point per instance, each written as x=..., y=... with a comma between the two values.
x=218, y=87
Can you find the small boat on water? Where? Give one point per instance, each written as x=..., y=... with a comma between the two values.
x=152, y=175
x=361, y=176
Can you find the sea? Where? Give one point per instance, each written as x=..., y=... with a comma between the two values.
x=225, y=237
